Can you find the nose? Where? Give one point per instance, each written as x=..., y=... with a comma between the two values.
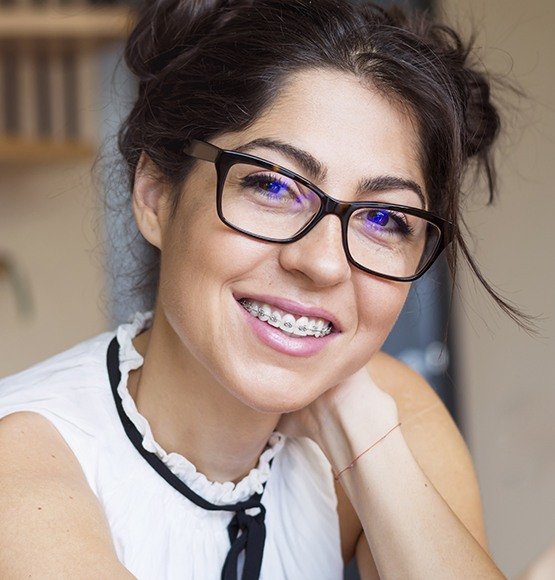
x=319, y=255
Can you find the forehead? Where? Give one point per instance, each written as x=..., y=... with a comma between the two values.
x=351, y=128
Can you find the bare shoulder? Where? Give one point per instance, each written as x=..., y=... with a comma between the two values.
x=411, y=391
x=437, y=445
x=52, y=523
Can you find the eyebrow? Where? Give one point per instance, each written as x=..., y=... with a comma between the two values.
x=318, y=172
x=310, y=164
x=389, y=182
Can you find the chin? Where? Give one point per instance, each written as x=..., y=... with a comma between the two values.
x=275, y=397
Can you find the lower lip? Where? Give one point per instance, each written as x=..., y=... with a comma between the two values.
x=282, y=342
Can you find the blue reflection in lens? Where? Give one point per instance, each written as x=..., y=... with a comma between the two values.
x=380, y=218
x=275, y=188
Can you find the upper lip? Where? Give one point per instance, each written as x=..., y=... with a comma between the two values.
x=294, y=307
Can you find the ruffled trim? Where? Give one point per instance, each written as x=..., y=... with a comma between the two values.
x=216, y=492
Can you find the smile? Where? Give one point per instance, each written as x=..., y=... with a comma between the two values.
x=287, y=322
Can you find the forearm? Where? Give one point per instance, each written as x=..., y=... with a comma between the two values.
x=411, y=531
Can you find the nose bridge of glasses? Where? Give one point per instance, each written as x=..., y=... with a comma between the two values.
x=332, y=206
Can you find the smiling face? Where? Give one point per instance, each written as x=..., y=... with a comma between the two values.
x=356, y=135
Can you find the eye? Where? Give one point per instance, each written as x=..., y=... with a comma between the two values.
x=380, y=218
x=274, y=187
x=388, y=220
x=382, y=223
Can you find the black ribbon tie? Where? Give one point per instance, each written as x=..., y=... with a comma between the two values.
x=251, y=539
x=246, y=532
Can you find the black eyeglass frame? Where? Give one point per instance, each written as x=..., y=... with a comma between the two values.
x=224, y=159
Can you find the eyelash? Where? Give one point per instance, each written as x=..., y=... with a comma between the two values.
x=253, y=179
x=265, y=178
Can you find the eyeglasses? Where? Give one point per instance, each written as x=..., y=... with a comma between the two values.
x=268, y=202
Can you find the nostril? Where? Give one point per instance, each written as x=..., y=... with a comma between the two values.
x=323, y=266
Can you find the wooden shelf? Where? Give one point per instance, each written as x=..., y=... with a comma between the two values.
x=17, y=150
x=65, y=23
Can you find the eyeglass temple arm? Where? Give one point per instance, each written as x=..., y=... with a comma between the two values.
x=202, y=150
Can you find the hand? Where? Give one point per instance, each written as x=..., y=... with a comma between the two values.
x=356, y=401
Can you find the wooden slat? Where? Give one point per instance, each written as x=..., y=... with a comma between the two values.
x=107, y=23
x=2, y=94
x=88, y=94
x=32, y=151
x=57, y=92
x=27, y=77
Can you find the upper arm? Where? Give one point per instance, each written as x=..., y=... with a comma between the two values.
x=52, y=523
x=436, y=444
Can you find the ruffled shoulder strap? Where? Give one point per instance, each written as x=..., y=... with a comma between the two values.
x=219, y=493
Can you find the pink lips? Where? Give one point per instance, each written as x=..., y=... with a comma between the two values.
x=281, y=342
x=294, y=308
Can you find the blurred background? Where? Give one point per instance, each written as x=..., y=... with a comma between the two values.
x=63, y=91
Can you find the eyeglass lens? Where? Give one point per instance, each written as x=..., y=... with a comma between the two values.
x=269, y=204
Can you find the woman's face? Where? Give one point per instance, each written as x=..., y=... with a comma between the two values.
x=355, y=134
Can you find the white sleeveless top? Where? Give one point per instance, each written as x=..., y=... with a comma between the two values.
x=158, y=533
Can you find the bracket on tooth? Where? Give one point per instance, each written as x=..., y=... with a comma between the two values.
x=253, y=309
x=248, y=305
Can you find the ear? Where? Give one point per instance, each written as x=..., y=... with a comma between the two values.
x=150, y=201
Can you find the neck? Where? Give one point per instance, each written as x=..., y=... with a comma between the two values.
x=190, y=413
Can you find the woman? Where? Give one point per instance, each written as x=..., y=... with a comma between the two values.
x=294, y=165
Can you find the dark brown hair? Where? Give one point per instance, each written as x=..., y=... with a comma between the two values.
x=207, y=67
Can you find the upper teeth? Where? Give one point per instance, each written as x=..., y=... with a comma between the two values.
x=303, y=326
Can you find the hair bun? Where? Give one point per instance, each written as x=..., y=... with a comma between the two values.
x=160, y=34
x=480, y=123
x=481, y=119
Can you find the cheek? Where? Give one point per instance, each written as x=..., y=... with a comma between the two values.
x=379, y=305
x=201, y=257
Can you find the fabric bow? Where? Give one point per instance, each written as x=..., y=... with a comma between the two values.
x=251, y=539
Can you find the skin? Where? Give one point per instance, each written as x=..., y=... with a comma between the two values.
x=215, y=400
x=542, y=568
